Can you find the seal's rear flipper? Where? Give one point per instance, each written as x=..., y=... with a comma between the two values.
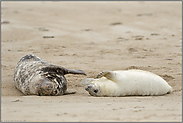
x=61, y=70
x=69, y=71
x=108, y=74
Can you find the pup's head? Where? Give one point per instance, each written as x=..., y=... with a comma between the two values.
x=92, y=86
x=93, y=90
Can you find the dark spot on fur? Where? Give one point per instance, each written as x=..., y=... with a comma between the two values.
x=55, y=91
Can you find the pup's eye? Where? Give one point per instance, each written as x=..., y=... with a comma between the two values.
x=96, y=90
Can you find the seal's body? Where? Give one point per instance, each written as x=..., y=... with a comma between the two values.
x=35, y=76
x=126, y=83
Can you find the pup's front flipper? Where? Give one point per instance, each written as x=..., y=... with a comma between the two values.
x=111, y=75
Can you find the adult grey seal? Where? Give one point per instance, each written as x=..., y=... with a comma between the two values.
x=35, y=76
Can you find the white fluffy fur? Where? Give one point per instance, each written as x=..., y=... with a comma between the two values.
x=127, y=82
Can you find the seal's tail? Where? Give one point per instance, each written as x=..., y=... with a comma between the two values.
x=170, y=91
x=69, y=71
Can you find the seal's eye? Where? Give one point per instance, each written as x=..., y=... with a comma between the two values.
x=55, y=91
x=96, y=90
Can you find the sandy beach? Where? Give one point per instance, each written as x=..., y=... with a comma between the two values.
x=93, y=37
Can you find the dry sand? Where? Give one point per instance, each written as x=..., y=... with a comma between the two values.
x=93, y=36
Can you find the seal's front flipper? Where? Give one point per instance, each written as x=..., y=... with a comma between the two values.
x=108, y=74
x=69, y=92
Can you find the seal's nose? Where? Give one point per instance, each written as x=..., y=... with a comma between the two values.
x=88, y=87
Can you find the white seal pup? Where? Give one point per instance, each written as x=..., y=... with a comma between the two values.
x=35, y=76
x=125, y=83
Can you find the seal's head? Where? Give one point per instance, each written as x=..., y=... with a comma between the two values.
x=93, y=90
x=100, y=87
x=47, y=88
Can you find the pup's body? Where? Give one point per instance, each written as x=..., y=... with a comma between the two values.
x=126, y=83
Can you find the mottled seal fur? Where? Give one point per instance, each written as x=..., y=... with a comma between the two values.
x=35, y=76
x=126, y=83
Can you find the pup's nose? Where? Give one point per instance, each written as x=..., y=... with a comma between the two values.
x=88, y=87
